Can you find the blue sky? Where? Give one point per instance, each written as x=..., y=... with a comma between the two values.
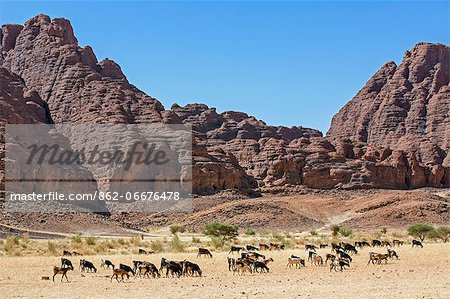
x=287, y=63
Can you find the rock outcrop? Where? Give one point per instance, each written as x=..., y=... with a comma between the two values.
x=403, y=107
x=395, y=133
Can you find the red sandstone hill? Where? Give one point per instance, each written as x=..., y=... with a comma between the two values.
x=393, y=134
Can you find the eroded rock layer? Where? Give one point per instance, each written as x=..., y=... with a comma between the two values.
x=395, y=133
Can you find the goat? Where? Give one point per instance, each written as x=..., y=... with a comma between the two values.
x=264, y=247
x=235, y=249
x=106, y=264
x=142, y=251
x=323, y=246
x=121, y=272
x=416, y=243
x=190, y=269
x=350, y=248
x=310, y=247
x=329, y=257
x=260, y=265
x=66, y=263
x=377, y=257
x=242, y=267
x=136, y=265
x=397, y=243
x=60, y=270
x=252, y=255
x=311, y=255
x=87, y=265
x=344, y=255
x=76, y=253
x=276, y=246
x=338, y=263
x=251, y=248
x=231, y=263
x=204, y=251
x=385, y=243
x=68, y=253
x=146, y=267
x=392, y=253
x=175, y=268
x=335, y=247
x=376, y=243
x=127, y=269
x=317, y=260
x=298, y=262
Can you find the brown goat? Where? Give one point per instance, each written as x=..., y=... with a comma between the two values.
x=122, y=273
x=60, y=270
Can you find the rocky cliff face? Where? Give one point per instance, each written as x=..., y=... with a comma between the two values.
x=404, y=107
x=393, y=134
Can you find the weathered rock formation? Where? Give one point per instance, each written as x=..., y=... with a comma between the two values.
x=395, y=133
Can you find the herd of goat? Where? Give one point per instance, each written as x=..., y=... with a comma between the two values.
x=249, y=261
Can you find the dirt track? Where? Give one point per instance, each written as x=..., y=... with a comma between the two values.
x=420, y=273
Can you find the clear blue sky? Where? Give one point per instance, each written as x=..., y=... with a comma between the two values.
x=287, y=63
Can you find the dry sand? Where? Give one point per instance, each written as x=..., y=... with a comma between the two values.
x=419, y=273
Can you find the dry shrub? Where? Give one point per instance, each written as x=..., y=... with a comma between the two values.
x=51, y=248
x=176, y=245
x=157, y=246
x=136, y=240
x=91, y=240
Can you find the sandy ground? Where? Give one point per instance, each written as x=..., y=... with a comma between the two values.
x=419, y=273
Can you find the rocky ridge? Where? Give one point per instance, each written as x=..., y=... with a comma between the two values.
x=393, y=134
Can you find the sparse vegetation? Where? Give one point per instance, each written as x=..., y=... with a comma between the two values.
x=345, y=232
x=176, y=245
x=136, y=240
x=250, y=232
x=77, y=239
x=174, y=229
x=157, y=246
x=217, y=242
x=335, y=230
x=223, y=230
x=51, y=247
x=91, y=240
x=313, y=233
x=420, y=230
x=441, y=233
x=195, y=240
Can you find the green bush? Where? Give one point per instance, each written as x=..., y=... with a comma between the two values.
x=420, y=230
x=223, y=230
x=77, y=239
x=443, y=233
x=90, y=240
x=157, y=246
x=313, y=233
x=121, y=241
x=335, y=229
x=195, y=240
x=174, y=229
x=346, y=232
x=176, y=245
x=250, y=232
x=217, y=242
